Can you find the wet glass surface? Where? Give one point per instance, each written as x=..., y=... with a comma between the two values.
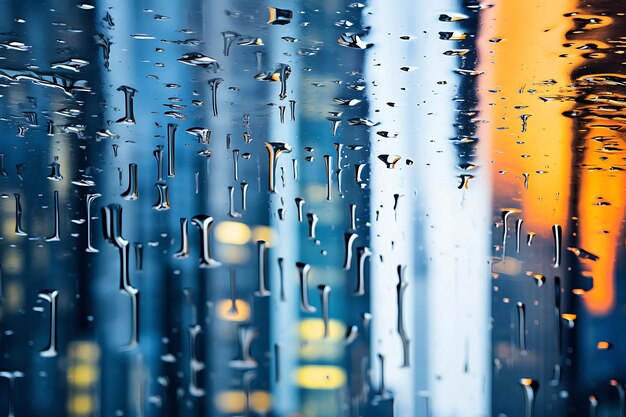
x=312, y=208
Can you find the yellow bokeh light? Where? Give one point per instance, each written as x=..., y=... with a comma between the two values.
x=266, y=234
x=230, y=401
x=240, y=313
x=14, y=294
x=315, y=193
x=82, y=375
x=13, y=261
x=85, y=351
x=526, y=382
x=232, y=233
x=80, y=405
x=260, y=401
x=313, y=329
x=320, y=377
x=234, y=401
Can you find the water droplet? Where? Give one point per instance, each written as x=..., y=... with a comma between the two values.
x=198, y=60
x=183, y=252
x=163, y=200
x=51, y=297
x=349, y=239
x=557, y=233
x=390, y=161
x=312, y=220
x=171, y=149
x=129, y=95
x=274, y=150
x=89, y=198
x=530, y=388
x=214, y=83
x=521, y=326
x=203, y=223
x=401, y=287
x=18, y=216
x=353, y=41
x=279, y=16
x=362, y=254
x=325, y=310
x=132, y=192
x=112, y=229
x=203, y=134
x=303, y=273
x=55, y=237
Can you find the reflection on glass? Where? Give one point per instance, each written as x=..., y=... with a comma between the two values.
x=332, y=208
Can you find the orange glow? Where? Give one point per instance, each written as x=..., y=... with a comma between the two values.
x=604, y=345
x=515, y=77
x=528, y=63
x=240, y=311
x=234, y=401
x=600, y=224
x=526, y=382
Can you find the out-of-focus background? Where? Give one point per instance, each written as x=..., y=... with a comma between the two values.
x=312, y=208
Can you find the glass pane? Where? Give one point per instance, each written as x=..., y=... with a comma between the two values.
x=312, y=208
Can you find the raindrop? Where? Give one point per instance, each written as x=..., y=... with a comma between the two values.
x=518, y=234
x=274, y=150
x=244, y=195
x=312, y=220
x=506, y=213
x=530, y=388
x=303, y=273
x=214, y=83
x=129, y=94
x=132, y=192
x=88, y=200
x=203, y=134
x=51, y=297
x=348, y=239
x=171, y=149
x=203, y=223
x=163, y=200
x=389, y=160
x=353, y=41
x=158, y=155
x=328, y=160
x=279, y=16
x=362, y=253
x=521, y=327
x=55, y=170
x=324, y=301
x=55, y=237
x=401, y=287
x=231, y=203
x=198, y=60
x=183, y=252
x=557, y=234
x=299, y=205
x=112, y=228
x=18, y=216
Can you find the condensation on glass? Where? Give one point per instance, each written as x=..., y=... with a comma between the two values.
x=312, y=208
